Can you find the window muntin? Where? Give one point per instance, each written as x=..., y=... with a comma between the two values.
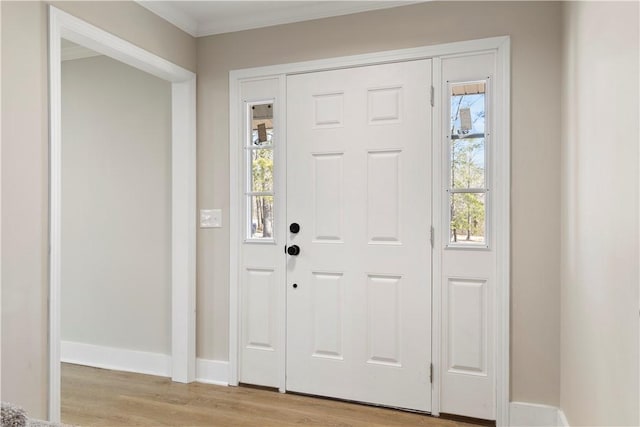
x=259, y=165
x=467, y=164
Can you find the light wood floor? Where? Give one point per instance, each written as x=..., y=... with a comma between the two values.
x=99, y=397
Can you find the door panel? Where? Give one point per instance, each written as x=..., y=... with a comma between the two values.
x=467, y=310
x=383, y=196
x=328, y=199
x=467, y=371
x=260, y=307
x=358, y=183
x=328, y=312
x=261, y=293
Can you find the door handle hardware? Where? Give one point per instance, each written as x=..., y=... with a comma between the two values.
x=294, y=228
x=293, y=250
x=295, y=286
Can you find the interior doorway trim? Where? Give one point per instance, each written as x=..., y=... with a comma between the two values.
x=183, y=189
x=499, y=45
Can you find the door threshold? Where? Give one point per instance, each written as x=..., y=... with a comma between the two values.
x=357, y=402
x=468, y=420
x=259, y=387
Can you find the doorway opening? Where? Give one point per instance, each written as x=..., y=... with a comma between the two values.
x=116, y=218
x=182, y=182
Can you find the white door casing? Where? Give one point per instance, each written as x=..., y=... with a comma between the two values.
x=500, y=47
x=359, y=180
x=183, y=190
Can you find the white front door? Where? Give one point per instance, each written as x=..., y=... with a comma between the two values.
x=359, y=187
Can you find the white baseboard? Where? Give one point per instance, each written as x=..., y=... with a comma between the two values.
x=523, y=414
x=212, y=371
x=562, y=419
x=118, y=359
x=141, y=362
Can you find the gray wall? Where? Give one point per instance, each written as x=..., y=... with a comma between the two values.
x=535, y=28
x=25, y=174
x=600, y=232
x=116, y=206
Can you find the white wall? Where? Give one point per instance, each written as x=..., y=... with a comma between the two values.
x=600, y=233
x=116, y=206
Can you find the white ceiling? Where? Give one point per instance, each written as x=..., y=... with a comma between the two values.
x=204, y=18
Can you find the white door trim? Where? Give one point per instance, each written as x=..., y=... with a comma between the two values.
x=183, y=204
x=436, y=254
x=499, y=45
x=502, y=184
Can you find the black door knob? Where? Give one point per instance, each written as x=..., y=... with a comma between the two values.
x=294, y=227
x=293, y=250
x=295, y=286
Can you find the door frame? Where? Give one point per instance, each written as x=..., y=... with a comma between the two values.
x=501, y=47
x=183, y=189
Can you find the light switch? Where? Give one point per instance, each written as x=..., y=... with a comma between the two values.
x=210, y=218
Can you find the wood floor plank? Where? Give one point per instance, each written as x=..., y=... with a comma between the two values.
x=99, y=397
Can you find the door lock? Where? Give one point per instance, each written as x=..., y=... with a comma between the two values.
x=294, y=227
x=293, y=250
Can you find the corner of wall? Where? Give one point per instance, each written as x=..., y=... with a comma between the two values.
x=522, y=414
x=600, y=191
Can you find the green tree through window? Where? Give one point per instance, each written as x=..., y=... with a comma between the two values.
x=260, y=172
x=467, y=186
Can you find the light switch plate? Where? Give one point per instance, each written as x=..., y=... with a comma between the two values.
x=210, y=218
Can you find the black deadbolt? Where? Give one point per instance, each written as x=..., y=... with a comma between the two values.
x=295, y=285
x=294, y=227
x=293, y=250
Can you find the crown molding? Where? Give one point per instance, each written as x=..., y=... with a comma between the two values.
x=248, y=21
x=294, y=14
x=172, y=14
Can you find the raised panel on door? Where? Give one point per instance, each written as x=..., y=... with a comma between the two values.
x=328, y=314
x=328, y=197
x=384, y=333
x=358, y=183
x=258, y=334
x=467, y=347
x=466, y=326
x=259, y=304
x=383, y=196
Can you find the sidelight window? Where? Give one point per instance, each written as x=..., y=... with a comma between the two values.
x=259, y=171
x=467, y=182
